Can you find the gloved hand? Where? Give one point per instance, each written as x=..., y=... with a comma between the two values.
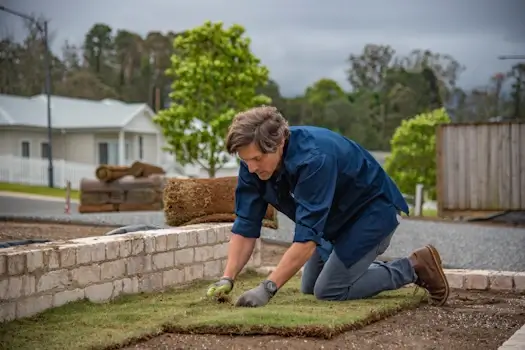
x=220, y=288
x=258, y=296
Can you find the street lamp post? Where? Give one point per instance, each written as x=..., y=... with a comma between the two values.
x=44, y=30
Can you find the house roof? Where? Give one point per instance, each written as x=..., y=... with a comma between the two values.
x=66, y=112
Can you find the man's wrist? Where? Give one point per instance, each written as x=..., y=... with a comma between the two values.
x=229, y=279
x=270, y=287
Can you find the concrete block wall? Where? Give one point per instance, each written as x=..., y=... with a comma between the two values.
x=37, y=277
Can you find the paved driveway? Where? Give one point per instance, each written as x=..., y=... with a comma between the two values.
x=32, y=205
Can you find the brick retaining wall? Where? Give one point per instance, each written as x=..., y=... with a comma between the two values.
x=37, y=277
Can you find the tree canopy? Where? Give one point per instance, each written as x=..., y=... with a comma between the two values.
x=215, y=75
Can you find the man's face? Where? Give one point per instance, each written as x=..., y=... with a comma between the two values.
x=262, y=164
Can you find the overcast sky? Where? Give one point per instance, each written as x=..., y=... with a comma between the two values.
x=302, y=41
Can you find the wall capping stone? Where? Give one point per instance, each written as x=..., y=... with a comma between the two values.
x=481, y=280
x=37, y=277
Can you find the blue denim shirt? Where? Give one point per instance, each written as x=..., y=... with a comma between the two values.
x=325, y=180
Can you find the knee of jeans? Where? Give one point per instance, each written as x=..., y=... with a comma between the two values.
x=323, y=292
x=307, y=289
x=307, y=286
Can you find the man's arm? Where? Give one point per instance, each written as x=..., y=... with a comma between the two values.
x=250, y=209
x=240, y=249
x=313, y=194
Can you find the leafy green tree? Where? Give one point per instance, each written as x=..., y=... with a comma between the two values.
x=413, y=157
x=215, y=75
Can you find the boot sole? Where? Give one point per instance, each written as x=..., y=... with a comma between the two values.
x=437, y=260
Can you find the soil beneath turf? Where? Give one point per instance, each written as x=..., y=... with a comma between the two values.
x=469, y=321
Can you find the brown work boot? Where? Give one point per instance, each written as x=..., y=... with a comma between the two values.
x=430, y=274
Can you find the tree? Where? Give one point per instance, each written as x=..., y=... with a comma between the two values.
x=215, y=75
x=413, y=157
x=446, y=69
x=98, y=46
x=317, y=97
x=367, y=70
x=518, y=72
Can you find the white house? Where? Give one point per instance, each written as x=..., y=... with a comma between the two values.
x=85, y=134
x=83, y=131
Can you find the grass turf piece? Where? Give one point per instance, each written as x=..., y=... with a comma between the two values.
x=132, y=318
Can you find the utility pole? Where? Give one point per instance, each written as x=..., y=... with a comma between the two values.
x=44, y=30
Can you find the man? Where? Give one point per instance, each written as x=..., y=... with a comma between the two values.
x=345, y=209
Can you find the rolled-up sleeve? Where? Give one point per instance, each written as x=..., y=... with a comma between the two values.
x=250, y=206
x=313, y=194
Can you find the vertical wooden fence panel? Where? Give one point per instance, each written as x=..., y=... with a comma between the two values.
x=481, y=167
x=483, y=159
x=515, y=167
x=521, y=150
x=493, y=178
x=473, y=181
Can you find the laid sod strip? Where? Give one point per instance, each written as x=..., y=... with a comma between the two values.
x=129, y=319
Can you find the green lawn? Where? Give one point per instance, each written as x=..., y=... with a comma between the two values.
x=83, y=325
x=40, y=190
x=426, y=213
x=430, y=212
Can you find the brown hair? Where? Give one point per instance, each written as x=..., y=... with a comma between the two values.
x=264, y=126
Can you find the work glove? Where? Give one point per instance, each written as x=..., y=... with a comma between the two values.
x=258, y=296
x=220, y=288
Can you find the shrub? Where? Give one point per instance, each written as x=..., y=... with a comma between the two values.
x=413, y=157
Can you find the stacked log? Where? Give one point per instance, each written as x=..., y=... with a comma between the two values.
x=124, y=194
x=194, y=201
x=109, y=173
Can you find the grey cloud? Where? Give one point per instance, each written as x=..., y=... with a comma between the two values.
x=304, y=40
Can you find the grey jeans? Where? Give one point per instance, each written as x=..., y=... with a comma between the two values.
x=364, y=279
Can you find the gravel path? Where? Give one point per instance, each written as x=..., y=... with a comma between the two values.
x=462, y=245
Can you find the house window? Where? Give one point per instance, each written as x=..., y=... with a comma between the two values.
x=141, y=147
x=25, y=149
x=44, y=150
x=108, y=152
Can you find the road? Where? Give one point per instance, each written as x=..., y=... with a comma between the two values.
x=462, y=245
x=23, y=204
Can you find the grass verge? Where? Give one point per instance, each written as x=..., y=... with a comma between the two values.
x=134, y=318
x=40, y=190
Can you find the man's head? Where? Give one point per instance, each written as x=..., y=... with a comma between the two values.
x=258, y=136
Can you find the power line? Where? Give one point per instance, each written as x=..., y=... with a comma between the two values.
x=511, y=57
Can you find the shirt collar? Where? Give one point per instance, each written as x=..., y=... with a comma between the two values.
x=279, y=173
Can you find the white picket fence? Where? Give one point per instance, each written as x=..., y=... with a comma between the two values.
x=34, y=171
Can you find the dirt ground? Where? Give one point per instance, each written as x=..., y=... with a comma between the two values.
x=12, y=231
x=470, y=320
